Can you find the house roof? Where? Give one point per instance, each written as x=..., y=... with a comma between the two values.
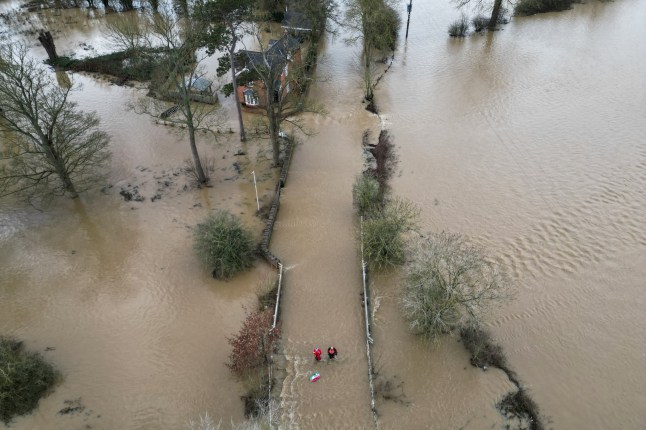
x=296, y=21
x=276, y=55
x=201, y=84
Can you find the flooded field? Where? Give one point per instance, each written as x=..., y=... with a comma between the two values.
x=531, y=140
x=110, y=291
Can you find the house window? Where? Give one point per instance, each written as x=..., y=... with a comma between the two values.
x=251, y=98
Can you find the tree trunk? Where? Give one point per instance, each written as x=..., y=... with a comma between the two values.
x=106, y=4
x=367, y=72
x=126, y=5
x=201, y=177
x=495, y=14
x=59, y=167
x=234, y=79
x=45, y=38
x=273, y=132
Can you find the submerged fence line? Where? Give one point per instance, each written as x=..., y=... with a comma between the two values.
x=272, y=259
x=369, y=340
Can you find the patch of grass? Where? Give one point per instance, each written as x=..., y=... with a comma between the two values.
x=459, y=27
x=223, y=243
x=24, y=378
x=531, y=7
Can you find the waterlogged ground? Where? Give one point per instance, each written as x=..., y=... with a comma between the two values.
x=110, y=291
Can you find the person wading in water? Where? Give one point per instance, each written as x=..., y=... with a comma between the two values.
x=317, y=354
x=331, y=353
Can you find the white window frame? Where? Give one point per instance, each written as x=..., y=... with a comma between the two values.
x=251, y=99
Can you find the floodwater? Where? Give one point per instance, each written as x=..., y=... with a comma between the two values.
x=111, y=293
x=531, y=140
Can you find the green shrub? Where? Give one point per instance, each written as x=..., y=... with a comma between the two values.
x=365, y=194
x=384, y=241
x=459, y=27
x=530, y=7
x=223, y=243
x=24, y=378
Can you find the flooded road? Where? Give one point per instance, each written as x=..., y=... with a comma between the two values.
x=315, y=237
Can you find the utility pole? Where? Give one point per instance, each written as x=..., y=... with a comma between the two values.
x=409, y=7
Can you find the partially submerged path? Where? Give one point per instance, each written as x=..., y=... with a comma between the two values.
x=315, y=238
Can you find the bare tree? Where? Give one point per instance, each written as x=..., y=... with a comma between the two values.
x=51, y=147
x=45, y=38
x=496, y=9
x=223, y=21
x=284, y=82
x=180, y=80
x=127, y=32
x=449, y=281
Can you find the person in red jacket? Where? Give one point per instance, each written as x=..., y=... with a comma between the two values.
x=317, y=354
x=331, y=352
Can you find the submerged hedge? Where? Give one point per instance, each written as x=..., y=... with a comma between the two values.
x=530, y=7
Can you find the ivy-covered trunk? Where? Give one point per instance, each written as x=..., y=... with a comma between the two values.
x=495, y=14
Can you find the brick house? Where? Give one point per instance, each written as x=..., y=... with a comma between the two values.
x=279, y=60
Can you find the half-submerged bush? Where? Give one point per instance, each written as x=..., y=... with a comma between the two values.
x=24, y=378
x=254, y=343
x=459, y=27
x=449, y=281
x=384, y=241
x=365, y=194
x=381, y=24
x=480, y=22
x=530, y=7
x=223, y=243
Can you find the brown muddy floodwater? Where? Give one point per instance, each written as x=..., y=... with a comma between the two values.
x=532, y=140
x=111, y=292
